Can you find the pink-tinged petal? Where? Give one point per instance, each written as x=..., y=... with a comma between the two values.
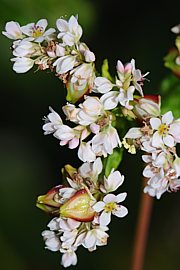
x=109, y=198
x=155, y=123
x=157, y=140
x=74, y=143
x=121, y=211
x=121, y=197
x=99, y=206
x=120, y=67
x=167, y=118
x=128, y=68
x=105, y=218
x=169, y=140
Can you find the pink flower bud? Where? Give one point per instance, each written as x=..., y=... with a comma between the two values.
x=49, y=202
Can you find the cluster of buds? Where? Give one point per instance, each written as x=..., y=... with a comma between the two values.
x=82, y=206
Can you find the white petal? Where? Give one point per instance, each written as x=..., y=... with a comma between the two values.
x=175, y=131
x=42, y=23
x=62, y=25
x=168, y=140
x=105, y=218
x=23, y=64
x=109, y=198
x=134, y=133
x=167, y=118
x=157, y=140
x=121, y=197
x=121, y=211
x=109, y=100
x=97, y=166
x=99, y=206
x=155, y=123
x=89, y=240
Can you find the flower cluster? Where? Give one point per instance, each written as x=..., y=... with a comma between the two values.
x=99, y=110
x=82, y=210
x=59, y=50
x=158, y=137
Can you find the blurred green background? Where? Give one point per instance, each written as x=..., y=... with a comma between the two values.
x=30, y=163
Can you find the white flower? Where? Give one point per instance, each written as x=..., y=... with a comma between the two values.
x=69, y=258
x=71, y=112
x=90, y=110
x=64, y=64
x=37, y=31
x=13, y=30
x=22, y=64
x=52, y=122
x=102, y=85
x=105, y=141
x=95, y=237
x=110, y=205
x=137, y=77
x=27, y=49
x=85, y=152
x=88, y=55
x=82, y=76
x=91, y=170
x=52, y=242
x=114, y=180
x=166, y=131
x=67, y=135
x=70, y=32
x=110, y=100
x=125, y=96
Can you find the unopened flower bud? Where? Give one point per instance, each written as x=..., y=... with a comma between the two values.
x=49, y=202
x=78, y=207
x=147, y=106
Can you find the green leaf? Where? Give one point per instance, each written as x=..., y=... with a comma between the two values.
x=113, y=161
x=105, y=70
x=170, y=89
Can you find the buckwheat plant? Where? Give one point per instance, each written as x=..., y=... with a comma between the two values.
x=104, y=116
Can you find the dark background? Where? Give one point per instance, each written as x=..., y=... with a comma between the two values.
x=30, y=163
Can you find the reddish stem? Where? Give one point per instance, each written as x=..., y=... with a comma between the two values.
x=141, y=233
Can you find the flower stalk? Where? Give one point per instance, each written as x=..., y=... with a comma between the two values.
x=142, y=230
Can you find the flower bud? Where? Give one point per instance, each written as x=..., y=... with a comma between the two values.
x=147, y=106
x=78, y=207
x=49, y=202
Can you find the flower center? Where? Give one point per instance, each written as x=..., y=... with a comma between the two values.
x=163, y=129
x=109, y=207
x=37, y=31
